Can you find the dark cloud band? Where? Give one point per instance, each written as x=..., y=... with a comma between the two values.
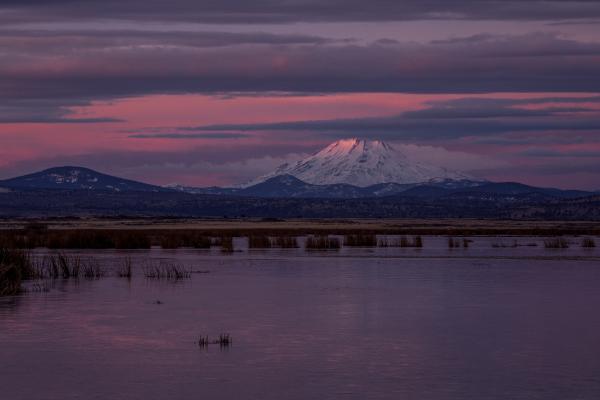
x=278, y=11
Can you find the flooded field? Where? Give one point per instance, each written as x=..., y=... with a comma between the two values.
x=492, y=318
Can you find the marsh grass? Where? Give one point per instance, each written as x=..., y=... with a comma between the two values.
x=259, y=242
x=92, y=269
x=170, y=242
x=125, y=268
x=588, y=243
x=403, y=241
x=556, y=243
x=168, y=271
x=502, y=245
x=322, y=242
x=224, y=340
x=202, y=242
x=203, y=341
x=453, y=243
x=286, y=242
x=360, y=240
x=39, y=287
x=63, y=266
x=226, y=243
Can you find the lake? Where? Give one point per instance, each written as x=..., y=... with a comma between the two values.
x=481, y=322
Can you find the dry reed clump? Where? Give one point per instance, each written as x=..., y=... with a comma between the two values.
x=61, y=265
x=226, y=243
x=322, y=242
x=224, y=340
x=453, y=243
x=556, y=243
x=39, y=287
x=403, y=241
x=168, y=271
x=259, y=242
x=503, y=245
x=125, y=268
x=133, y=239
x=170, y=242
x=588, y=243
x=202, y=242
x=92, y=269
x=267, y=242
x=174, y=240
x=286, y=242
x=360, y=240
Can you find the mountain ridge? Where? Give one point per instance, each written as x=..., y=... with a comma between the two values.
x=76, y=178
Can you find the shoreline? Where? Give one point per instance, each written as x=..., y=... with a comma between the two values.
x=271, y=226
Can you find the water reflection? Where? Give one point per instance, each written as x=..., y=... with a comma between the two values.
x=348, y=325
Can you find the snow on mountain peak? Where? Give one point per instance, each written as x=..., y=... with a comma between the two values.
x=361, y=162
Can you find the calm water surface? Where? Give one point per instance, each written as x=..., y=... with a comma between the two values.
x=479, y=323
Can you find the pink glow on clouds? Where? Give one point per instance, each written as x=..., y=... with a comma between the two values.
x=24, y=142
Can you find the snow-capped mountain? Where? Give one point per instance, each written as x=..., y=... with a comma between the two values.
x=73, y=178
x=362, y=163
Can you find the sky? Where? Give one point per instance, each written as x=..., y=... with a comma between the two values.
x=218, y=92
